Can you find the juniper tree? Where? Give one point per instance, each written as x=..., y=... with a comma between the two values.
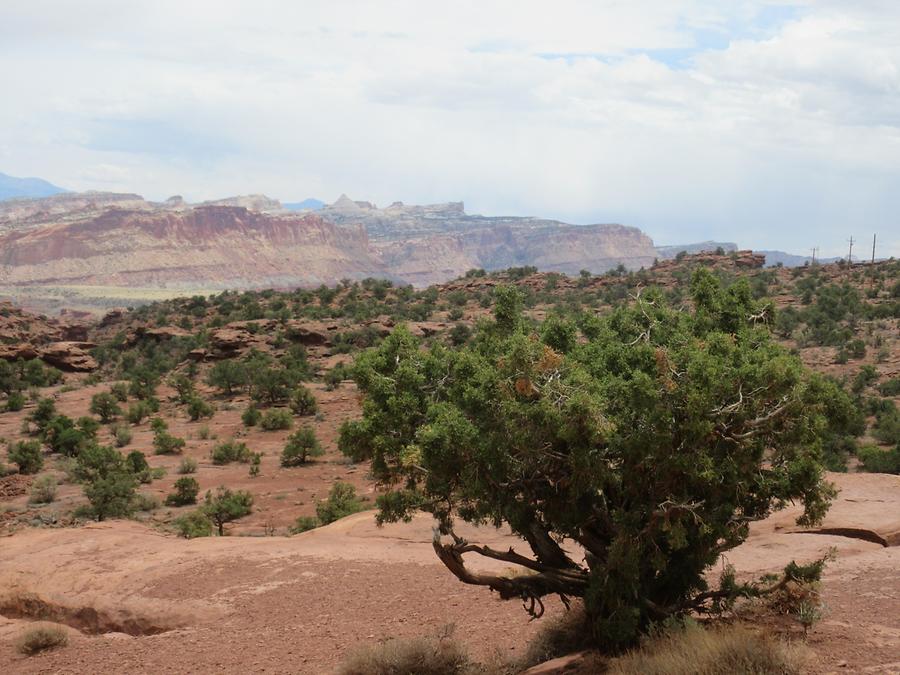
x=648, y=448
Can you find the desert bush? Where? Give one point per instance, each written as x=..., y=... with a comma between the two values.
x=105, y=406
x=303, y=402
x=226, y=506
x=276, y=420
x=251, y=416
x=716, y=651
x=123, y=435
x=183, y=386
x=186, y=490
x=137, y=411
x=187, y=465
x=193, y=524
x=230, y=451
x=411, y=656
x=227, y=376
x=26, y=455
x=255, y=464
x=304, y=524
x=165, y=443
x=891, y=387
x=203, y=432
x=42, y=414
x=341, y=502
x=43, y=490
x=15, y=401
x=198, y=408
x=878, y=460
x=301, y=445
x=144, y=502
x=40, y=639
x=120, y=391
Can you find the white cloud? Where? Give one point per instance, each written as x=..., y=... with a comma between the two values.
x=771, y=123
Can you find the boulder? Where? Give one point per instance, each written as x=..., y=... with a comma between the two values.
x=18, y=351
x=70, y=356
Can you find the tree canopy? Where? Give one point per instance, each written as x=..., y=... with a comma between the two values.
x=628, y=454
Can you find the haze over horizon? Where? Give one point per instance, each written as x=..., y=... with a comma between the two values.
x=772, y=124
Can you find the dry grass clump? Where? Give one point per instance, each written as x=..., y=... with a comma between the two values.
x=40, y=639
x=715, y=651
x=414, y=656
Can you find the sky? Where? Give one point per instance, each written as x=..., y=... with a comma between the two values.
x=772, y=124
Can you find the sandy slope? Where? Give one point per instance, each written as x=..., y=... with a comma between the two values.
x=248, y=604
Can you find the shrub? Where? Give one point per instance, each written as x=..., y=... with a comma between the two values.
x=276, y=420
x=251, y=416
x=27, y=455
x=411, y=656
x=165, y=443
x=15, y=401
x=136, y=463
x=137, y=411
x=43, y=413
x=144, y=502
x=227, y=375
x=122, y=435
x=187, y=465
x=198, y=408
x=183, y=386
x=120, y=391
x=203, y=432
x=40, y=639
x=230, y=451
x=226, y=506
x=301, y=445
x=193, y=524
x=255, y=463
x=105, y=406
x=342, y=502
x=876, y=460
x=717, y=651
x=303, y=402
x=43, y=490
x=891, y=387
x=304, y=524
x=186, y=490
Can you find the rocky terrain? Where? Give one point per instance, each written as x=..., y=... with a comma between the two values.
x=100, y=249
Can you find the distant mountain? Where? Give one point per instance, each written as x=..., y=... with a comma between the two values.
x=17, y=188
x=310, y=204
x=669, y=252
x=773, y=258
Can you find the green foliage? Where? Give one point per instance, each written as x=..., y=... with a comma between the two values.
x=109, y=483
x=276, y=420
x=184, y=387
x=66, y=436
x=197, y=408
x=230, y=451
x=123, y=435
x=120, y=391
x=878, y=460
x=193, y=524
x=27, y=455
x=341, y=502
x=106, y=406
x=227, y=376
x=41, y=639
x=251, y=416
x=15, y=400
x=304, y=524
x=186, y=490
x=301, y=445
x=255, y=464
x=42, y=415
x=137, y=411
x=653, y=442
x=226, y=506
x=891, y=387
x=303, y=402
x=165, y=443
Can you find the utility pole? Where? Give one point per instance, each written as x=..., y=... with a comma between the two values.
x=850, y=254
x=873, y=247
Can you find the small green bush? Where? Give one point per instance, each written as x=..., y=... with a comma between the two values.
x=106, y=406
x=197, y=408
x=276, y=420
x=15, y=401
x=877, y=460
x=122, y=435
x=27, y=455
x=303, y=402
x=342, y=502
x=230, y=451
x=193, y=524
x=120, y=391
x=304, y=524
x=137, y=411
x=226, y=506
x=411, y=656
x=186, y=490
x=301, y=445
x=251, y=416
